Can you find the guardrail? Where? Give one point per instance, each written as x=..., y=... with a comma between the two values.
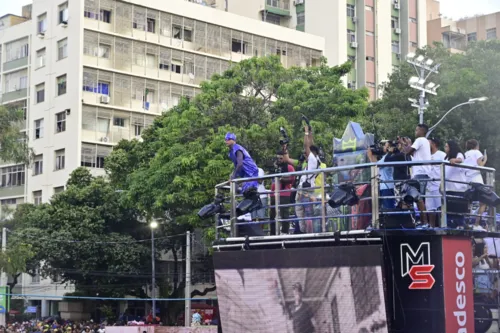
x=315, y=215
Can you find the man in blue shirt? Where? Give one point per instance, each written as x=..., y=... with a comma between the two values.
x=244, y=165
x=386, y=178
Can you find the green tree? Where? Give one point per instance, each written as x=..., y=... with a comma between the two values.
x=475, y=73
x=183, y=155
x=13, y=143
x=15, y=260
x=86, y=236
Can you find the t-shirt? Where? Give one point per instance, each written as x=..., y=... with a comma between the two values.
x=312, y=164
x=455, y=173
x=422, y=153
x=471, y=158
x=435, y=171
x=302, y=318
x=385, y=175
x=285, y=187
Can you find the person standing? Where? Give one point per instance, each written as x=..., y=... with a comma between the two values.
x=433, y=186
x=286, y=184
x=386, y=178
x=244, y=165
x=302, y=315
x=475, y=158
x=420, y=151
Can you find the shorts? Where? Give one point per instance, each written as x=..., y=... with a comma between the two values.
x=422, y=180
x=433, y=203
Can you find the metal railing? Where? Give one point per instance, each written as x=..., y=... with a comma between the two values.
x=315, y=215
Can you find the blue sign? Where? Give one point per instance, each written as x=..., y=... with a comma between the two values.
x=2, y=309
x=31, y=309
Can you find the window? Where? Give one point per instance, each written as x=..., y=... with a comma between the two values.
x=351, y=36
x=394, y=22
x=151, y=25
x=12, y=176
x=62, y=49
x=370, y=58
x=491, y=33
x=58, y=189
x=40, y=58
x=63, y=13
x=103, y=88
x=16, y=50
x=368, y=8
x=413, y=20
x=61, y=122
x=472, y=37
x=351, y=11
x=352, y=59
x=183, y=34
x=7, y=202
x=61, y=85
x=370, y=33
x=105, y=16
x=370, y=84
x=16, y=81
x=104, y=51
x=39, y=128
x=395, y=47
x=40, y=92
x=150, y=60
x=301, y=19
x=271, y=18
x=138, y=130
x=42, y=24
x=38, y=165
x=176, y=66
x=36, y=278
x=119, y=122
x=93, y=156
x=239, y=46
x=60, y=159
x=413, y=44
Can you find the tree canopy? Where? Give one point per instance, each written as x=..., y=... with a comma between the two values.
x=13, y=143
x=182, y=156
x=473, y=74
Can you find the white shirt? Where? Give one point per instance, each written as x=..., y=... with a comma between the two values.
x=312, y=164
x=435, y=172
x=261, y=188
x=455, y=173
x=422, y=153
x=471, y=158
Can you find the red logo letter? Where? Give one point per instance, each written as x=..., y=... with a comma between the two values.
x=422, y=277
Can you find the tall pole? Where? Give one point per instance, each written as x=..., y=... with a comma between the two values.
x=421, y=108
x=187, y=295
x=3, y=278
x=153, y=278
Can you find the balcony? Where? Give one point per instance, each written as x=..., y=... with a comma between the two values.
x=278, y=7
x=14, y=95
x=10, y=65
x=454, y=41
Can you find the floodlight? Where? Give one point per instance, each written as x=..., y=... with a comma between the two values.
x=431, y=85
x=429, y=62
x=479, y=99
x=413, y=80
x=413, y=100
x=153, y=225
x=421, y=81
x=410, y=55
x=420, y=58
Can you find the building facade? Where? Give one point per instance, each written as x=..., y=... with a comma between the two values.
x=372, y=34
x=90, y=73
x=456, y=35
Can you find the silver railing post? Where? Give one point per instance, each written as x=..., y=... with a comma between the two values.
x=216, y=217
x=442, y=190
x=323, y=203
x=492, y=211
x=375, y=196
x=277, y=188
x=234, y=218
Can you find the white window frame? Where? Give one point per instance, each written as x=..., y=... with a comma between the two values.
x=41, y=23
x=38, y=165
x=40, y=88
x=60, y=159
x=351, y=10
x=489, y=35
x=61, y=122
x=41, y=57
x=62, y=49
x=63, y=13
x=59, y=81
x=38, y=129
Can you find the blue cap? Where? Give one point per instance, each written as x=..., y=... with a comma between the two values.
x=230, y=136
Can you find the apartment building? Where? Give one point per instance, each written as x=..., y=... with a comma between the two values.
x=456, y=35
x=89, y=73
x=373, y=34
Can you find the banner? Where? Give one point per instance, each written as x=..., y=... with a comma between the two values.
x=4, y=299
x=323, y=289
x=458, y=289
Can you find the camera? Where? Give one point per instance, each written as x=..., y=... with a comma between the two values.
x=285, y=140
x=304, y=119
x=377, y=149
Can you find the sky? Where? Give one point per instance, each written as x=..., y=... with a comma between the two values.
x=450, y=8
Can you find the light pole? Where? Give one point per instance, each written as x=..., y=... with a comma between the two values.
x=469, y=102
x=424, y=68
x=153, y=225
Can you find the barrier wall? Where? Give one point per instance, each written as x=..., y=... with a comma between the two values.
x=160, y=329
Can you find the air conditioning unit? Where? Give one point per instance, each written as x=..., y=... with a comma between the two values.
x=105, y=99
x=104, y=139
x=64, y=24
x=397, y=31
x=41, y=35
x=354, y=19
x=299, y=2
x=396, y=6
x=354, y=45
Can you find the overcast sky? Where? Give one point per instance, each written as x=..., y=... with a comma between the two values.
x=451, y=8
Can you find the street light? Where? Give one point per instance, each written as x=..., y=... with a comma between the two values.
x=424, y=68
x=153, y=225
x=469, y=102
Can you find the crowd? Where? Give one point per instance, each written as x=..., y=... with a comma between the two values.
x=62, y=326
x=303, y=192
